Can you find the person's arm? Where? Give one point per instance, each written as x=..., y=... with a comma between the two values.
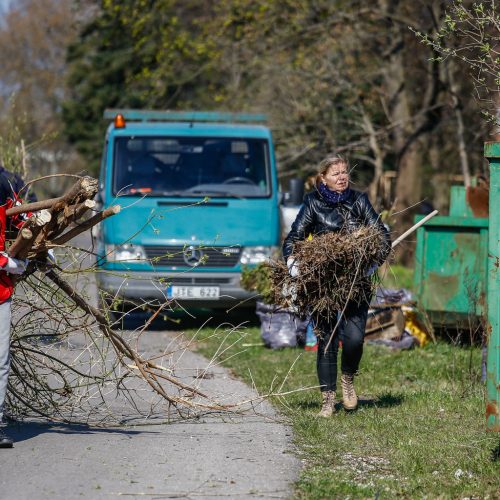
x=300, y=227
x=372, y=218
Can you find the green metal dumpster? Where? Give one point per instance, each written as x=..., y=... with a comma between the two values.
x=457, y=273
x=451, y=268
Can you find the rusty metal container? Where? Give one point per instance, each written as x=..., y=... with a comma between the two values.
x=451, y=267
x=457, y=271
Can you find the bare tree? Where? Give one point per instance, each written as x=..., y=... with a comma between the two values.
x=33, y=40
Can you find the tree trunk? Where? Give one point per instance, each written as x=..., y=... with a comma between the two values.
x=409, y=181
x=408, y=188
x=457, y=108
x=378, y=160
x=440, y=185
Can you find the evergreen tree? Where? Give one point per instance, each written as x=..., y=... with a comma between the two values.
x=101, y=62
x=132, y=54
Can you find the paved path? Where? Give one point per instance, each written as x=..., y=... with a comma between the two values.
x=214, y=457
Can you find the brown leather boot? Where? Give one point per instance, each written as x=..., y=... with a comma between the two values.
x=328, y=405
x=349, y=398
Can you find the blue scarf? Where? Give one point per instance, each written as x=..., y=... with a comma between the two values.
x=333, y=197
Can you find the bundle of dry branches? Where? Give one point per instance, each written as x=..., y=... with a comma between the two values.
x=332, y=271
x=49, y=377
x=49, y=226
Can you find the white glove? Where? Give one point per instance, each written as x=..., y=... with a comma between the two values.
x=51, y=257
x=293, y=267
x=14, y=266
x=371, y=270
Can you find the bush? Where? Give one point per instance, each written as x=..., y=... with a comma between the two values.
x=258, y=279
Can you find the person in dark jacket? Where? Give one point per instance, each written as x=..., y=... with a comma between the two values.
x=12, y=185
x=333, y=206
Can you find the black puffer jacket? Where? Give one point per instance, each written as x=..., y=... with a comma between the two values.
x=317, y=216
x=10, y=185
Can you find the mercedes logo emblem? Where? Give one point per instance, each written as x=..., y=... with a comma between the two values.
x=192, y=256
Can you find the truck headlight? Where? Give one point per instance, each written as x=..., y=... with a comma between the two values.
x=126, y=252
x=256, y=255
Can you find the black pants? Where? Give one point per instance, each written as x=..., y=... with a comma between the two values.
x=351, y=331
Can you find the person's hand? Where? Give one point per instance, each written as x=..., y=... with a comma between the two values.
x=14, y=266
x=371, y=270
x=293, y=267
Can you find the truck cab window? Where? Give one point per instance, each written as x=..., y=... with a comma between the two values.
x=191, y=166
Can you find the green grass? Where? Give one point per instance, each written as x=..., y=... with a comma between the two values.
x=397, y=276
x=420, y=422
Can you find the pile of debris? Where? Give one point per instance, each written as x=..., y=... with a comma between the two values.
x=333, y=269
x=395, y=321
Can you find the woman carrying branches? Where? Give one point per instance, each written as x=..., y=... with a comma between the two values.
x=333, y=207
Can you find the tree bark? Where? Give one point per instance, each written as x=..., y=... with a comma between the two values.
x=378, y=160
x=457, y=108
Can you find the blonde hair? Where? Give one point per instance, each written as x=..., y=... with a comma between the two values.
x=328, y=162
x=332, y=160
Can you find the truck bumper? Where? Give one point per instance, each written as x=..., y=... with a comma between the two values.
x=152, y=287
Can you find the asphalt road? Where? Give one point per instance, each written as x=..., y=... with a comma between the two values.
x=215, y=456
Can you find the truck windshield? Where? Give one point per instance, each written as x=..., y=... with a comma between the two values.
x=191, y=166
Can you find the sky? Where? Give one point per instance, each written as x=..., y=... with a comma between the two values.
x=4, y=4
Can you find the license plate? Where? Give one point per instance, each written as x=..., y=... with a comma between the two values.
x=193, y=292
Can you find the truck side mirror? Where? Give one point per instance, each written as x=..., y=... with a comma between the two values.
x=295, y=193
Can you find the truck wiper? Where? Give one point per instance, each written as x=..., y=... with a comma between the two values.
x=173, y=193
x=197, y=193
x=215, y=193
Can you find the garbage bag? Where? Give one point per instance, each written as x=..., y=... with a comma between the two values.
x=280, y=327
x=387, y=296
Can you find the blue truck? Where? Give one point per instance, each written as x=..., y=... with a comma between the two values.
x=199, y=197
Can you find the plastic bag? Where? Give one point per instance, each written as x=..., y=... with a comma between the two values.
x=280, y=327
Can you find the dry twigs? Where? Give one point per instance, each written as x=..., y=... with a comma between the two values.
x=69, y=362
x=332, y=271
